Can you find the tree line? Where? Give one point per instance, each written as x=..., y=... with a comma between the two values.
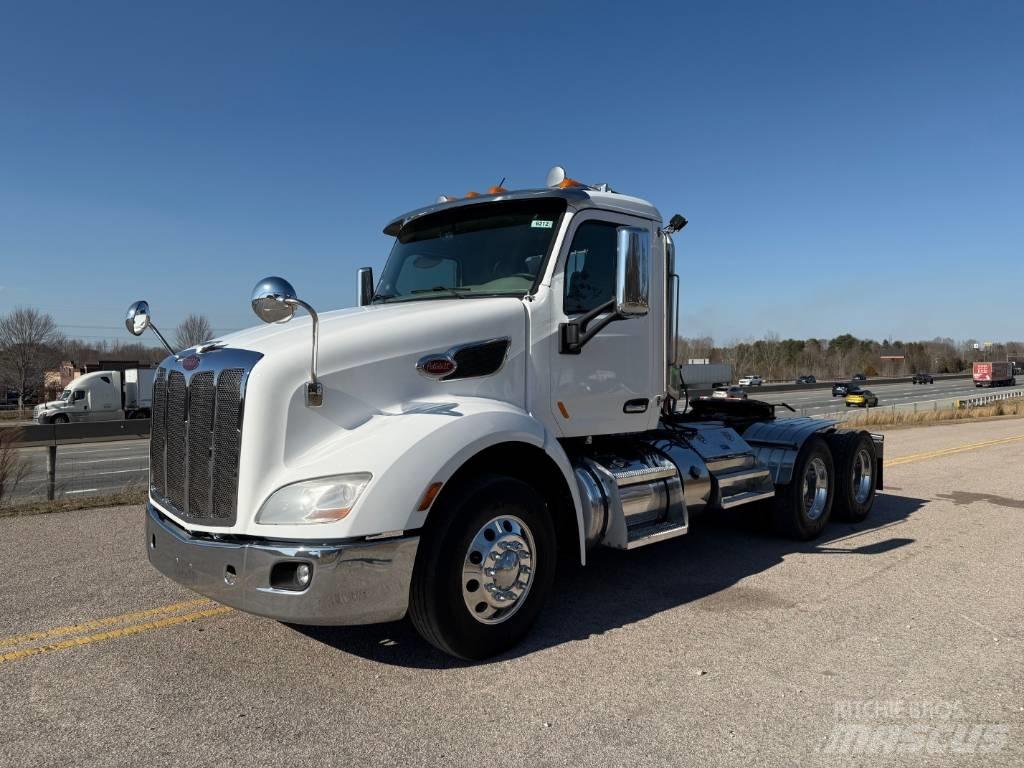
x=31, y=343
x=838, y=358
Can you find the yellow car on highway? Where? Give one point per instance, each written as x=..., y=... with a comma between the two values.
x=864, y=398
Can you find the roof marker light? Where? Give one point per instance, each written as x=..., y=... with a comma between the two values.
x=446, y=198
x=472, y=194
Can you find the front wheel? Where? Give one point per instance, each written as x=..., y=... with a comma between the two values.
x=803, y=506
x=483, y=568
x=60, y=418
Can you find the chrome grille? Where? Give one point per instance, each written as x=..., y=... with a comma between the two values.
x=174, y=424
x=200, y=447
x=156, y=437
x=227, y=440
x=196, y=436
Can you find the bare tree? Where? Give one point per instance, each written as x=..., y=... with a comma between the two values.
x=195, y=329
x=28, y=342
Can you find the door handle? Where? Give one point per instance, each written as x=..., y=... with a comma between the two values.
x=639, y=405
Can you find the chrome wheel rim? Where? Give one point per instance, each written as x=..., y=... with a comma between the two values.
x=863, y=473
x=815, y=488
x=497, y=570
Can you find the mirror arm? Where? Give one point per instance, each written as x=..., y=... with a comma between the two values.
x=162, y=339
x=314, y=389
x=575, y=334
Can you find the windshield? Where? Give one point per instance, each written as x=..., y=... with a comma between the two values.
x=65, y=394
x=489, y=249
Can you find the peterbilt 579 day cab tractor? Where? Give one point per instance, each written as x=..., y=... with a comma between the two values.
x=502, y=401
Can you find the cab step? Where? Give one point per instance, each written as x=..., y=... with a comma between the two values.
x=642, y=535
x=744, y=485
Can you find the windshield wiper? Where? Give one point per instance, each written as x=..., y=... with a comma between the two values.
x=457, y=292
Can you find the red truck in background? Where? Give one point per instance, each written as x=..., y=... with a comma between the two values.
x=994, y=375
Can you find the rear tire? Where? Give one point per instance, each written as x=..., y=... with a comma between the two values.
x=856, y=481
x=483, y=568
x=803, y=507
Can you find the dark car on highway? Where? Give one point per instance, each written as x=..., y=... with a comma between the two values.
x=923, y=378
x=839, y=389
x=806, y=380
x=858, y=377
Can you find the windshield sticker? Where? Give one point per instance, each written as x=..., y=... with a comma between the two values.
x=541, y=224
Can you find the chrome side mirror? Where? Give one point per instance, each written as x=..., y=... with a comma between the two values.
x=274, y=301
x=633, y=272
x=138, y=320
x=365, y=278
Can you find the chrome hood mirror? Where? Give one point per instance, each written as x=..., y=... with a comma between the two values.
x=274, y=301
x=138, y=320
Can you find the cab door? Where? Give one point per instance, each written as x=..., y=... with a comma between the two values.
x=612, y=385
x=77, y=408
x=104, y=399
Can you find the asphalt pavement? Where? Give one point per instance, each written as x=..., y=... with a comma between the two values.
x=898, y=641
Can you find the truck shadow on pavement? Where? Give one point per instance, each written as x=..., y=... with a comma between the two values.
x=619, y=588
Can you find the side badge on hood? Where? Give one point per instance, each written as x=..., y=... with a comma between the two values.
x=436, y=366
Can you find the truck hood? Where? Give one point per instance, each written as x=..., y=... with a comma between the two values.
x=386, y=328
x=367, y=366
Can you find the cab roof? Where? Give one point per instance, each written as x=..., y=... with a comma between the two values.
x=577, y=198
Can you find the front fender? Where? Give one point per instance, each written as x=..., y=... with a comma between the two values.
x=406, y=452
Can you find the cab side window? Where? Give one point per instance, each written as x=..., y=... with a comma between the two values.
x=590, y=267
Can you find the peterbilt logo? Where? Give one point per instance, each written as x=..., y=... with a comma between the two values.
x=191, y=362
x=436, y=366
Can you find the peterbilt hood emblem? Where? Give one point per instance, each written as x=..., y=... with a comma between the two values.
x=191, y=362
x=436, y=366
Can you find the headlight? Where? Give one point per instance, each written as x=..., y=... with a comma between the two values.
x=323, y=500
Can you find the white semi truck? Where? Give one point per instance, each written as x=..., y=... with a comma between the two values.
x=502, y=401
x=101, y=396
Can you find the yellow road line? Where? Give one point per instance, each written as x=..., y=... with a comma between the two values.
x=949, y=451
x=134, y=629
x=88, y=626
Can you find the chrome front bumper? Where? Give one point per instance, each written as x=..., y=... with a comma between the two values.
x=362, y=582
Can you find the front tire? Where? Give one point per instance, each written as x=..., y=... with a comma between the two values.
x=483, y=568
x=803, y=506
x=856, y=482
x=60, y=418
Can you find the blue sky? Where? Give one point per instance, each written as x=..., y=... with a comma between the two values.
x=846, y=167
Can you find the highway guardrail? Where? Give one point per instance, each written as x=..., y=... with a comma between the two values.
x=980, y=400
x=50, y=436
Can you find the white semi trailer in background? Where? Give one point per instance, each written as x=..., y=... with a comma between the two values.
x=101, y=396
x=500, y=403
